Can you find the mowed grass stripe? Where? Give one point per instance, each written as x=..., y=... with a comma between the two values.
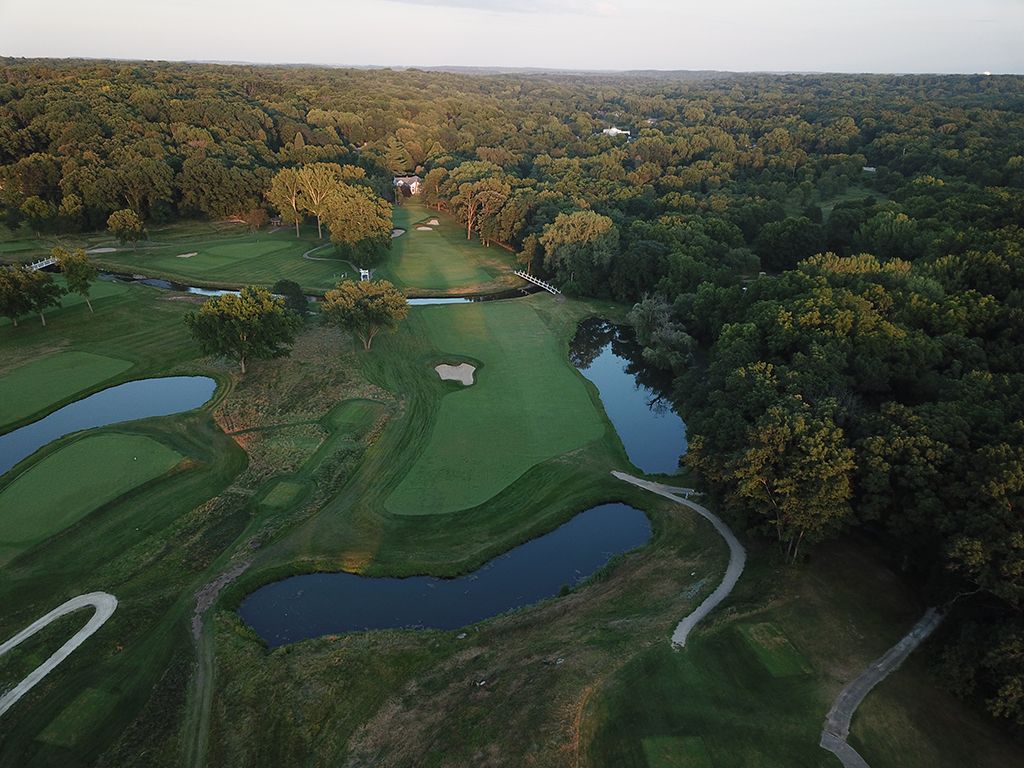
x=442, y=259
x=30, y=388
x=69, y=484
x=527, y=405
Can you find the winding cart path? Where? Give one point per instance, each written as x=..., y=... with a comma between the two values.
x=105, y=605
x=837, y=723
x=737, y=555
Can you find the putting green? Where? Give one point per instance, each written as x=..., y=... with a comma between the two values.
x=31, y=388
x=67, y=485
x=528, y=405
x=283, y=494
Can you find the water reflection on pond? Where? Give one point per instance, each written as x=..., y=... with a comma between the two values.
x=634, y=394
x=140, y=399
x=318, y=604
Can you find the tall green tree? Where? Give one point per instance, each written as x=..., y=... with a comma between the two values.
x=14, y=298
x=359, y=221
x=364, y=308
x=578, y=249
x=79, y=271
x=253, y=325
x=317, y=181
x=285, y=195
x=126, y=226
x=42, y=291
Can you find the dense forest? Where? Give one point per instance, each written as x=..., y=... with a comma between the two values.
x=832, y=267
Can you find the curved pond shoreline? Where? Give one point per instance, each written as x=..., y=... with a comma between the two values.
x=634, y=394
x=139, y=399
x=317, y=604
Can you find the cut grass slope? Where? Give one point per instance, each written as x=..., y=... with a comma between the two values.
x=441, y=260
x=754, y=684
x=526, y=406
x=32, y=387
x=78, y=478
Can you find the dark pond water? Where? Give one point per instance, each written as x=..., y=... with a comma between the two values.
x=319, y=604
x=126, y=402
x=633, y=394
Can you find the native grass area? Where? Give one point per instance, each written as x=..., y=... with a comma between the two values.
x=336, y=459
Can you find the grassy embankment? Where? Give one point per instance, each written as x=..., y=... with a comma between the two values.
x=529, y=691
x=227, y=255
x=311, y=499
x=753, y=686
x=104, y=521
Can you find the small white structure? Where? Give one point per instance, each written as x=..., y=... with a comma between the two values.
x=364, y=275
x=613, y=131
x=409, y=185
x=869, y=169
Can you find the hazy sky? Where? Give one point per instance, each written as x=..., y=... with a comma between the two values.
x=819, y=35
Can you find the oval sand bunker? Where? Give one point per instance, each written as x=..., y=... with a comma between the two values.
x=462, y=372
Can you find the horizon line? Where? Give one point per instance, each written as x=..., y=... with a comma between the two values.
x=509, y=69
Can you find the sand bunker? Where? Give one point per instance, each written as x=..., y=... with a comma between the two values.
x=424, y=229
x=102, y=250
x=433, y=223
x=187, y=255
x=462, y=372
x=397, y=232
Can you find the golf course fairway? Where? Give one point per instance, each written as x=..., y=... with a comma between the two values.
x=487, y=435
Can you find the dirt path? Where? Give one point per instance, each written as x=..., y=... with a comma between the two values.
x=200, y=695
x=737, y=555
x=105, y=605
x=837, y=723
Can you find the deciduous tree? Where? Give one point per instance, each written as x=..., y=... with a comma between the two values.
x=364, y=308
x=251, y=325
x=79, y=271
x=126, y=226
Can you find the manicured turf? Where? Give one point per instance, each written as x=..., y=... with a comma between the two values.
x=725, y=687
x=229, y=255
x=100, y=290
x=676, y=752
x=68, y=484
x=282, y=494
x=32, y=387
x=527, y=405
x=84, y=713
x=441, y=260
x=773, y=649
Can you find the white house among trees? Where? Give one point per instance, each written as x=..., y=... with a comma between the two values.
x=408, y=184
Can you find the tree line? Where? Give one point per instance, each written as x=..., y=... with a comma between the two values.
x=829, y=266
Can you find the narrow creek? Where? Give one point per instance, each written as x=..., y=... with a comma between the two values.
x=634, y=395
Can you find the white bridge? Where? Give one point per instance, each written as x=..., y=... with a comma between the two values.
x=536, y=281
x=49, y=261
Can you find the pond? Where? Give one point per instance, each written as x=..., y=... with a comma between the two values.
x=140, y=399
x=634, y=394
x=317, y=604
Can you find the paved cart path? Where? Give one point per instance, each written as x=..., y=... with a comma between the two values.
x=737, y=555
x=104, y=603
x=837, y=723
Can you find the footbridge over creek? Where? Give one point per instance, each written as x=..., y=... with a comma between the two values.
x=537, y=281
x=49, y=261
